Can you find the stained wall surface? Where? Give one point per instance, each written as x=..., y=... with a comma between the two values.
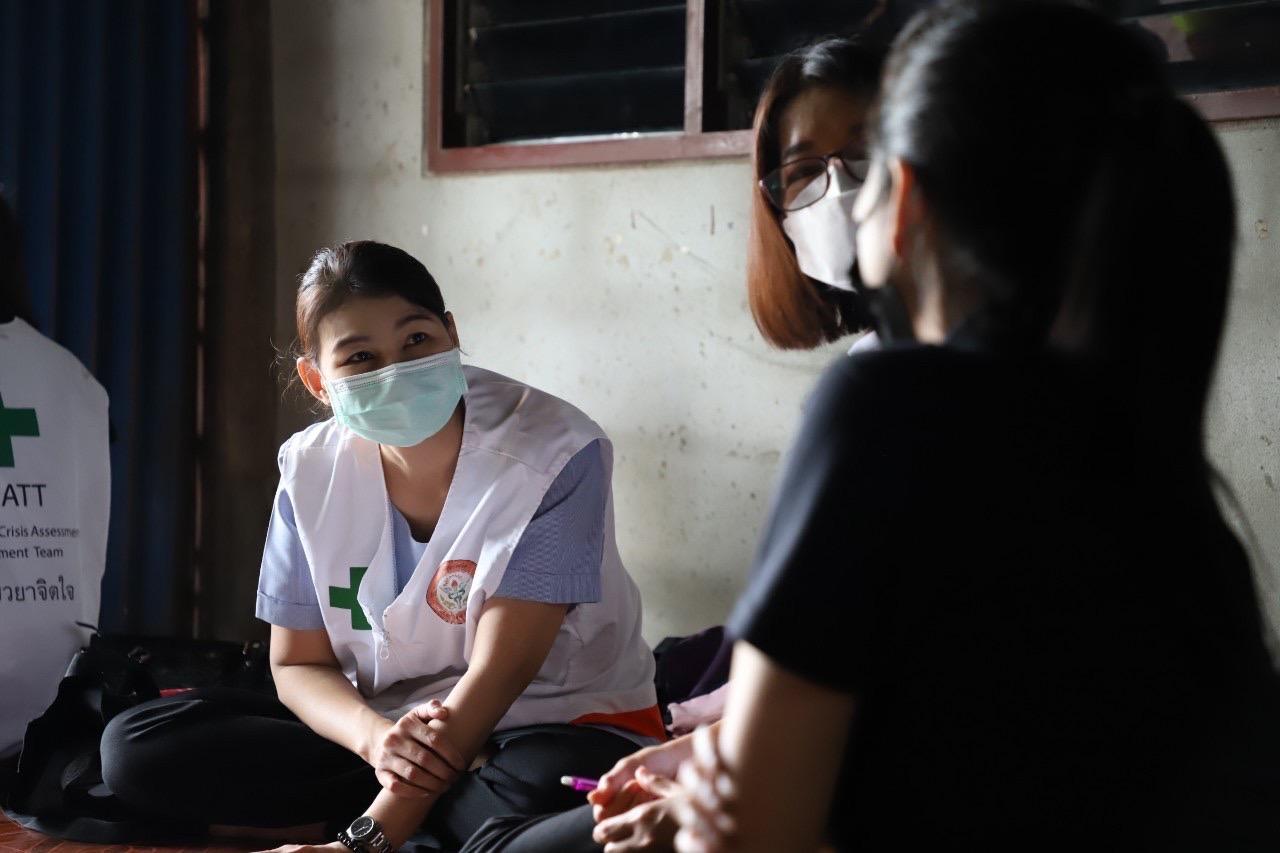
x=621, y=290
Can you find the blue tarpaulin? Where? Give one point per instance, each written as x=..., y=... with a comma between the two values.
x=97, y=158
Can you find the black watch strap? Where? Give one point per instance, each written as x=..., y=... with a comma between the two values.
x=348, y=843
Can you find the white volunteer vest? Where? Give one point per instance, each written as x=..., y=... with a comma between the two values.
x=400, y=651
x=55, y=498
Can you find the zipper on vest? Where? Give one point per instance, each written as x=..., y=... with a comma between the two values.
x=384, y=652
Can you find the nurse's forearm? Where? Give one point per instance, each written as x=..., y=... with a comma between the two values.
x=513, y=639
x=398, y=816
x=475, y=704
x=330, y=705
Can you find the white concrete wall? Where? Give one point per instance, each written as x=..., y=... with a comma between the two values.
x=621, y=289
x=1244, y=414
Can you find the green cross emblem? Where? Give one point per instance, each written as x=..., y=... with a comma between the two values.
x=15, y=422
x=344, y=598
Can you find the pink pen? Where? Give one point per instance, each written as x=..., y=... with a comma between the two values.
x=579, y=783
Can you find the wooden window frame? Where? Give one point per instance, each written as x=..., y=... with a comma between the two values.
x=1238, y=104
x=693, y=142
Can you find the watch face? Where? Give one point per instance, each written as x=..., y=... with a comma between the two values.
x=362, y=828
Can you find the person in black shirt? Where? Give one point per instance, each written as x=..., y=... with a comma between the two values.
x=995, y=602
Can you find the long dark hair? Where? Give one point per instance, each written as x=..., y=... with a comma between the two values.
x=1087, y=205
x=789, y=309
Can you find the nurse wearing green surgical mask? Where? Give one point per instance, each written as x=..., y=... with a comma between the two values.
x=402, y=404
x=379, y=361
x=390, y=369
x=444, y=590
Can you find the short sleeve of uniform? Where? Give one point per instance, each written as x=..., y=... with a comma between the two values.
x=811, y=603
x=557, y=560
x=286, y=592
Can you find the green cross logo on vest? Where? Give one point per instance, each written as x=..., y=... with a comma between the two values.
x=15, y=423
x=344, y=598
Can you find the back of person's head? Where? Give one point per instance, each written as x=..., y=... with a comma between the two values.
x=13, y=286
x=361, y=268
x=1087, y=206
x=791, y=311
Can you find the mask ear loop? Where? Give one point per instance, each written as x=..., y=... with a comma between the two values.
x=859, y=288
x=883, y=304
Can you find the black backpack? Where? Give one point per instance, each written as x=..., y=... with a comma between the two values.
x=58, y=789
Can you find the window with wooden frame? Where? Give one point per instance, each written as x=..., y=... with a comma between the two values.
x=527, y=83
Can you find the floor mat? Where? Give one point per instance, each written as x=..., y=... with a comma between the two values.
x=16, y=839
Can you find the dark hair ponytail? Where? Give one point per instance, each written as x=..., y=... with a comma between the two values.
x=1089, y=208
x=1147, y=289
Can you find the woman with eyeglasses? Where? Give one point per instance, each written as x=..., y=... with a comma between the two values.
x=996, y=606
x=809, y=159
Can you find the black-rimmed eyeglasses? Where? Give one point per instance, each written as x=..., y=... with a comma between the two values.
x=799, y=183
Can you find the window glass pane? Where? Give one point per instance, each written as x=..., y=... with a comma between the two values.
x=567, y=68
x=550, y=70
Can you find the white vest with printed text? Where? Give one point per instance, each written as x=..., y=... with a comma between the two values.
x=55, y=503
x=402, y=650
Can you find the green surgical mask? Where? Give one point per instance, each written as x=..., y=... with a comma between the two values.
x=402, y=404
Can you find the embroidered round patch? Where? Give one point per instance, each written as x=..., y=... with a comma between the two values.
x=449, y=590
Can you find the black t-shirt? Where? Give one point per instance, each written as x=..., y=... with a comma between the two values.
x=1050, y=635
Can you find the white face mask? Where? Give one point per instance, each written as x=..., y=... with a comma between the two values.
x=823, y=232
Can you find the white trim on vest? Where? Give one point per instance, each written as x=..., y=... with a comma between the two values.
x=400, y=651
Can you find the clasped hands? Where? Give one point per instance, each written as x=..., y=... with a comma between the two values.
x=414, y=760
x=674, y=796
x=410, y=758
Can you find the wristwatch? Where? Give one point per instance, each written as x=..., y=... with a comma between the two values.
x=365, y=835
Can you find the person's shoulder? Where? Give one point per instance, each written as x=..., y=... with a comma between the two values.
x=895, y=395
x=900, y=369
x=885, y=373
x=908, y=357
x=319, y=437
x=506, y=397
x=53, y=357
x=525, y=423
